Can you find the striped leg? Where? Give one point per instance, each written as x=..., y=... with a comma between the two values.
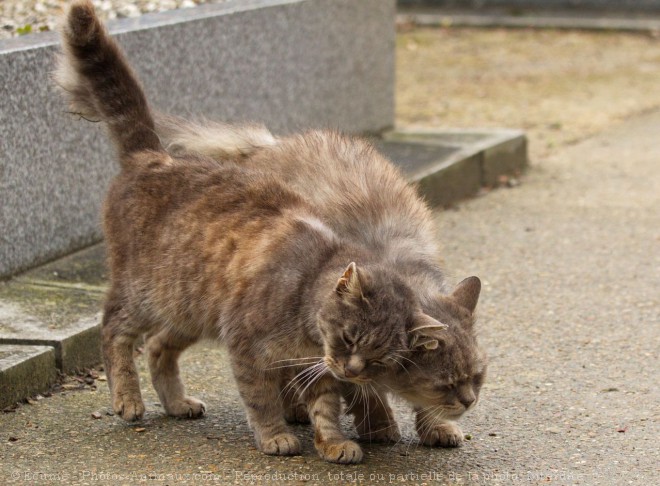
x=261, y=396
x=324, y=405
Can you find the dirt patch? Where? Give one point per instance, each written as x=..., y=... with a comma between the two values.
x=560, y=86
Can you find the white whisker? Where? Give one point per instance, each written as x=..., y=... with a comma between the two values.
x=316, y=376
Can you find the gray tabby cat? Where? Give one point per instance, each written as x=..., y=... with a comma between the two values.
x=237, y=247
x=358, y=194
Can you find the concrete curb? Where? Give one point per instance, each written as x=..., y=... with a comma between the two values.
x=53, y=308
x=24, y=371
x=474, y=159
x=536, y=20
x=49, y=316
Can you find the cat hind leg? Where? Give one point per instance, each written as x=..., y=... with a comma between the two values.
x=118, y=339
x=163, y=351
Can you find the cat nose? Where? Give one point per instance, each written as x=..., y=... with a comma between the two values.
x=354, y=367
x=351, y=371
x=467, y=401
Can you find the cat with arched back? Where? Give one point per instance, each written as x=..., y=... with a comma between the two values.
x=308, y=256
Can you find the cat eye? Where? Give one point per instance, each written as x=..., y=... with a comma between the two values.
x=348, y=341
x=377, y=362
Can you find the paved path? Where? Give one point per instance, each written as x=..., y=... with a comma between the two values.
x=570, y=314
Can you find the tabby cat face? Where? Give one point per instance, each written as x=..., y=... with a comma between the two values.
x=445, y=374
x=374, y=330
x=363, y=323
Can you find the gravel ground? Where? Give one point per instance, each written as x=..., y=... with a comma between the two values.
x=18, y=17
x=559, y=86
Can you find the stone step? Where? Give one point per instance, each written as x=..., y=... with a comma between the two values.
x=50, y=321
x=25, y=371
x=453, y=164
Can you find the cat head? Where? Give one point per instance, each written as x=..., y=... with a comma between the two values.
x=363, y=322
x=444, y=368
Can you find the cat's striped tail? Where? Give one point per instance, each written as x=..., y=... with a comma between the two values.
x=100, y=84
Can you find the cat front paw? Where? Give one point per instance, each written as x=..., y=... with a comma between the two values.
x=341, y=452
x=188, y=407
x=284, y=444
x=129, y=407
x=447, y=434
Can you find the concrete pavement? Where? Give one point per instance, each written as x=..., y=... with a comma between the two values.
x=570, y=315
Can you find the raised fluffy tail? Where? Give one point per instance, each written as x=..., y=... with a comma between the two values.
x=99, y=83
x=216, y=140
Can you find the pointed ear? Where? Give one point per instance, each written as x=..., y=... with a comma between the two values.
x=349, y=283
x=467, y=292
x=426, y=332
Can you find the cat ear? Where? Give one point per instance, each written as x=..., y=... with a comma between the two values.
x=349, y=283
x=467, y=292
x=426, y=332
x=430, y=344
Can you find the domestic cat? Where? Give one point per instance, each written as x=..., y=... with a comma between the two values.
x=228, y=248
x=442, y=373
